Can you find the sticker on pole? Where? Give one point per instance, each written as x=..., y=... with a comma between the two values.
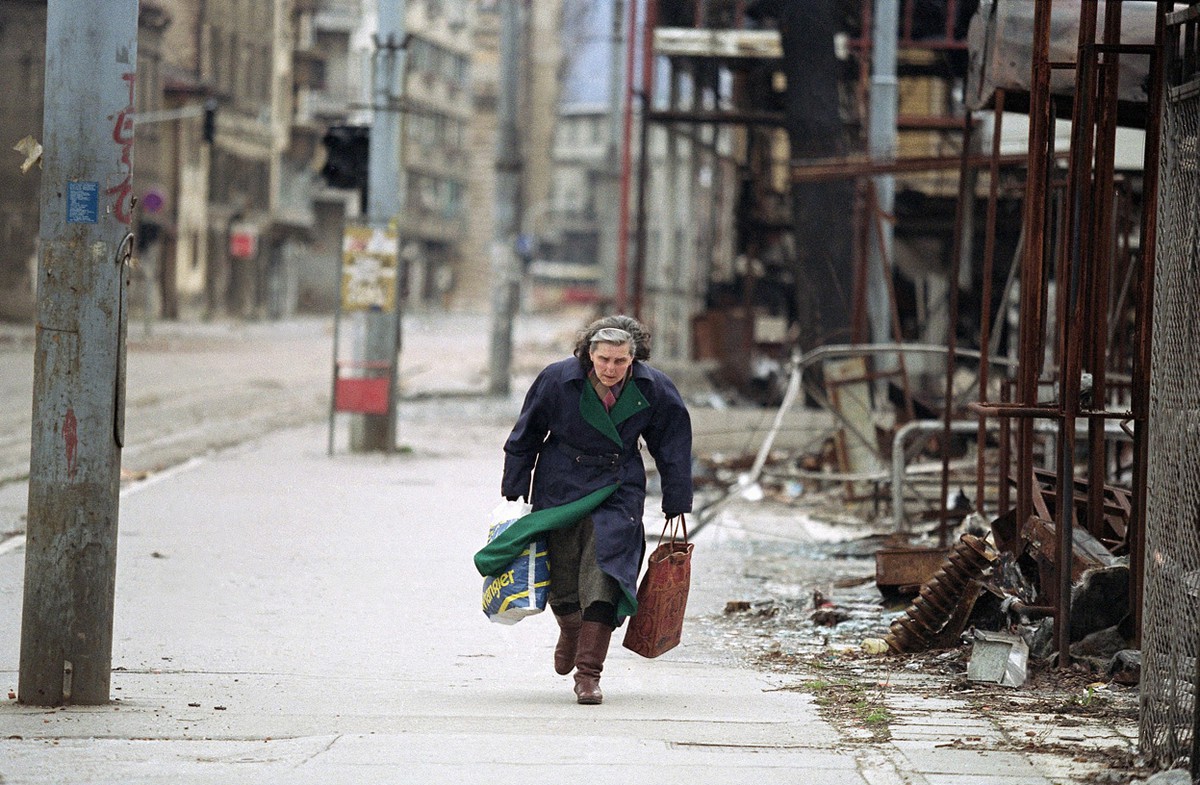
x=83, y=202
x=368, y=269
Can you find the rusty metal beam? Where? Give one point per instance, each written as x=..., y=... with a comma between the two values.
x=753, y=117
x=1075, y=259
x=1102, y=251
x=825, y=169
x=1140, y=389
x=1032, y=267
x=717, y=117
x=985, y=330
x=966, y=201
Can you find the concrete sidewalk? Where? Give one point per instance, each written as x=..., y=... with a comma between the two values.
x=285, y=617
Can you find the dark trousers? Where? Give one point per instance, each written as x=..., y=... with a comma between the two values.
x=576, y=580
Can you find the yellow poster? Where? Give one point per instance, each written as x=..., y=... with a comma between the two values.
x=368, y=269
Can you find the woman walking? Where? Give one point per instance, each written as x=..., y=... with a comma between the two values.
x=578, y=439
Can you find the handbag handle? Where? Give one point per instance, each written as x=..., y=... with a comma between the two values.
x=678, y=522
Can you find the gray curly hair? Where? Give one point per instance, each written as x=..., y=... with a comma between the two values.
x=598, y=332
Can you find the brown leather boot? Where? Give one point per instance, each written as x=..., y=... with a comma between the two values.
x=568, y=641
x=593, y=648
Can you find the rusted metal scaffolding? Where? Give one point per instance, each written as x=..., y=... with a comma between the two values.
x=1085, y=267
x=1070, y=243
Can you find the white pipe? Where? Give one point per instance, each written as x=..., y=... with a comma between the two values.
x=899, y=468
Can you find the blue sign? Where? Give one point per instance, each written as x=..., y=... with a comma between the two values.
x=83, y=202
x=526, y=246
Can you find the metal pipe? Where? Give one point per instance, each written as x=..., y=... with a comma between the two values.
x=1035, y=240
x=879, y=220
x=965, y=203
x=1004, y=457
x=1101, y=267
x=881, y=143
x=899, y=452
x=622, y=285
x=1069, y=315
x=801, y=363
x=989, y=263
x=638, y=273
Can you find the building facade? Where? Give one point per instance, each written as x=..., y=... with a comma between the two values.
x=541, y=61
x=234, y=98
x=23, y=55
x=434, y=148
x=569, y=267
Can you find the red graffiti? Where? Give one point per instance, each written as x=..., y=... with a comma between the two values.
x=123, y=136
x=70, y=432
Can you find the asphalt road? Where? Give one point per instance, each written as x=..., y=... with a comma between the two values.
x=193, y=388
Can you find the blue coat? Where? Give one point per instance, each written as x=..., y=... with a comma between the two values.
x=579, y=448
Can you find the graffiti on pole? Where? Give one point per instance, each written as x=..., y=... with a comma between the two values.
x=123, y=136
x=70, y=432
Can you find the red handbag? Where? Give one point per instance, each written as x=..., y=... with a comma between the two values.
x=662, y=595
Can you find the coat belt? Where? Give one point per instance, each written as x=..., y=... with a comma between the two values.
x=611, y=459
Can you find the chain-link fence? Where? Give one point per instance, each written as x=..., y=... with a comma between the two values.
x=1171, y=617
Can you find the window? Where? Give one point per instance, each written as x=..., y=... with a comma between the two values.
x=418, y=55
x=194, y=249
x=454, y=200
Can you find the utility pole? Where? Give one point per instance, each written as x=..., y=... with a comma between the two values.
x=610, y=212
x=79, y=361
x=882, y=146
x=506, y=276
x=385, y=186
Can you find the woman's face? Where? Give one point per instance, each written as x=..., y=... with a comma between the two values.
x=611, y=361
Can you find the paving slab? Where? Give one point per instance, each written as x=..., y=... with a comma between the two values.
x=934, y=759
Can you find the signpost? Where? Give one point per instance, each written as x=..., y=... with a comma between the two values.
x=368, y=286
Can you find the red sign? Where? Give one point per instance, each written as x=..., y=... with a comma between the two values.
x=243, y=243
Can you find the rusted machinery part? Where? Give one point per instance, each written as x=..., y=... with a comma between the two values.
x=940, y=596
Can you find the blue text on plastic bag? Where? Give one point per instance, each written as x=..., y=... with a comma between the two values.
x=520, y=590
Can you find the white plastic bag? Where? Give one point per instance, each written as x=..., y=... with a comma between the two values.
x=520, y=590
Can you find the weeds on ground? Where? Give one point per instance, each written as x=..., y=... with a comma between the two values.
x=850, y=703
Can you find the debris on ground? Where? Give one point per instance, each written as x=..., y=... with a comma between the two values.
x=939, y=613
x=1088, y=711
x=826, y=613
x=1172, y=777
x=998, y=657
x=1126, y=667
